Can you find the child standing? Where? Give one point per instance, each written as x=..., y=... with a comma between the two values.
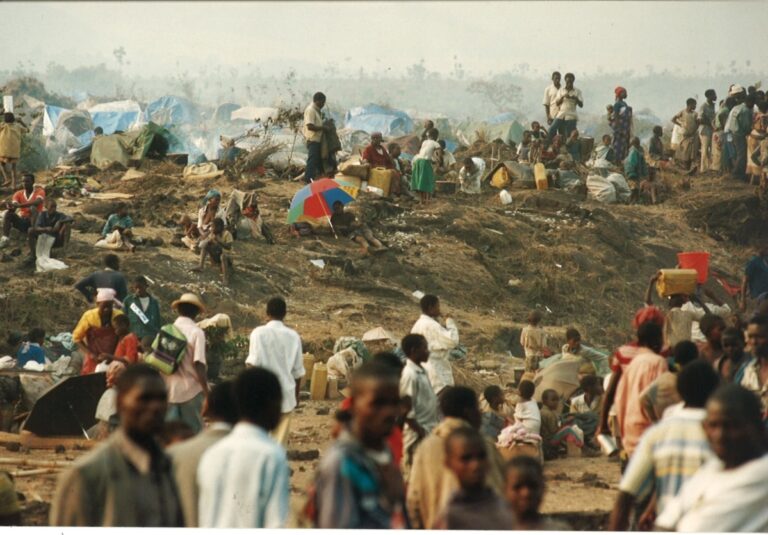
x=550, y=424
x=534, y=342
x=527, y=410
x=474, y=506
x=414, y=383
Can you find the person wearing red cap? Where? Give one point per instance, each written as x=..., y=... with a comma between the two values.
x=620, y=120
x=621, y=360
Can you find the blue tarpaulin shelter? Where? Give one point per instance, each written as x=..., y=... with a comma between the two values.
x=375, y=118
x=169, y=110
x=113, y=116
x=51, y=116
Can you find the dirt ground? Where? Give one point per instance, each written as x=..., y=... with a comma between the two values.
x=580, y=262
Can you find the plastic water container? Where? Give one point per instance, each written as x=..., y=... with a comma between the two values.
x=676, y=281
x=695, y=260
x=540, y=174
x=319, y=383
x=309, y=365
x=379, y=177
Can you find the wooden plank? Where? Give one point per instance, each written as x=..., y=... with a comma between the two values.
x=34, y=442
x=36, y=472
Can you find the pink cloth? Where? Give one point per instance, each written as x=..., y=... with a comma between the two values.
x=643, y=370
x=183, y=384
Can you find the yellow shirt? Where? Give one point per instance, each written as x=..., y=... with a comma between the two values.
x=89, y=319
x=313, y=116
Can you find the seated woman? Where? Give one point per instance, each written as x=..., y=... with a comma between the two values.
x=95, y=333
x=218, y=245
x=118, y=231
x=210, y=210
x=345, y=223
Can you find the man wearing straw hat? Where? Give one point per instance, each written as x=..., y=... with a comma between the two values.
x=188, y=385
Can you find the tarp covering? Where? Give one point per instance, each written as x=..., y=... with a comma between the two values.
x=507, y=131
x=51, y=116
x=374, y=118
x=150, y=140
x=120, y=115
x=253, y=113
x=170, y=110
x=223, y=113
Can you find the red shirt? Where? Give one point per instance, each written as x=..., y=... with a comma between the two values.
x=20, y=197
x=394, y=440
x=372, y=156
x=128, y=348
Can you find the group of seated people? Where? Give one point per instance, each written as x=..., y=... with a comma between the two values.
x=33, y=214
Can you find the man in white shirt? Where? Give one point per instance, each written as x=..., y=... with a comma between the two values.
x=313, y=133
x=727, y=494
x=221, y=414
x=550, y=93
x=244, y=478
x=277, y=348
x=441, y=341
x=567, y=99
x=188, y=385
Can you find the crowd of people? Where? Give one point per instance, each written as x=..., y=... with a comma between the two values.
x=685, y=402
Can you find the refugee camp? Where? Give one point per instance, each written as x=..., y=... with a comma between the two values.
x=384, y=265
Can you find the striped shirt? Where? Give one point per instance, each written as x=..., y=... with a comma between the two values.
x=668, y=454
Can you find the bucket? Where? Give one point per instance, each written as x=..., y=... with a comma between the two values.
x=607, y=444
x=695, y=260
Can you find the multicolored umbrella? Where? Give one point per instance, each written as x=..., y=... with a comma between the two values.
x=315, y=201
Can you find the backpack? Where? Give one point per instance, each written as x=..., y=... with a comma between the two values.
x=168, y=349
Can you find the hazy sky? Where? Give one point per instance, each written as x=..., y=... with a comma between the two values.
x=486, y=36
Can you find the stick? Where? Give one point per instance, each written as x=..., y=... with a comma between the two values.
x=37, y=472
x=34, y=462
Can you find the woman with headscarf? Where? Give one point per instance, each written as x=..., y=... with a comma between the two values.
x=210, y=210
x=620, y=120
x=622, y=358
x=95, y=334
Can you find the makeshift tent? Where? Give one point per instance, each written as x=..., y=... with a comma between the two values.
x=169, y=110
x=51, y=116
x=506, y=130
x=150, y=140
x=223, y=113
x=120, y=115
x=374, y=118
x=253, y=114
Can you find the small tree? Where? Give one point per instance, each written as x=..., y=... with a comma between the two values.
x=503, y=96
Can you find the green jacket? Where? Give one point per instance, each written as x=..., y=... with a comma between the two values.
x=132, y=308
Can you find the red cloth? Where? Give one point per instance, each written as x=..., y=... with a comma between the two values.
x=372, y=156
x=394, y=440
x=21, y=198
x=100, y=340
x=128, y=348
x=646, y=314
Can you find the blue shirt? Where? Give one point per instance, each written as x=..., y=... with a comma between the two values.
x=756, y=271
x=30, y=352
x=114, y=220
